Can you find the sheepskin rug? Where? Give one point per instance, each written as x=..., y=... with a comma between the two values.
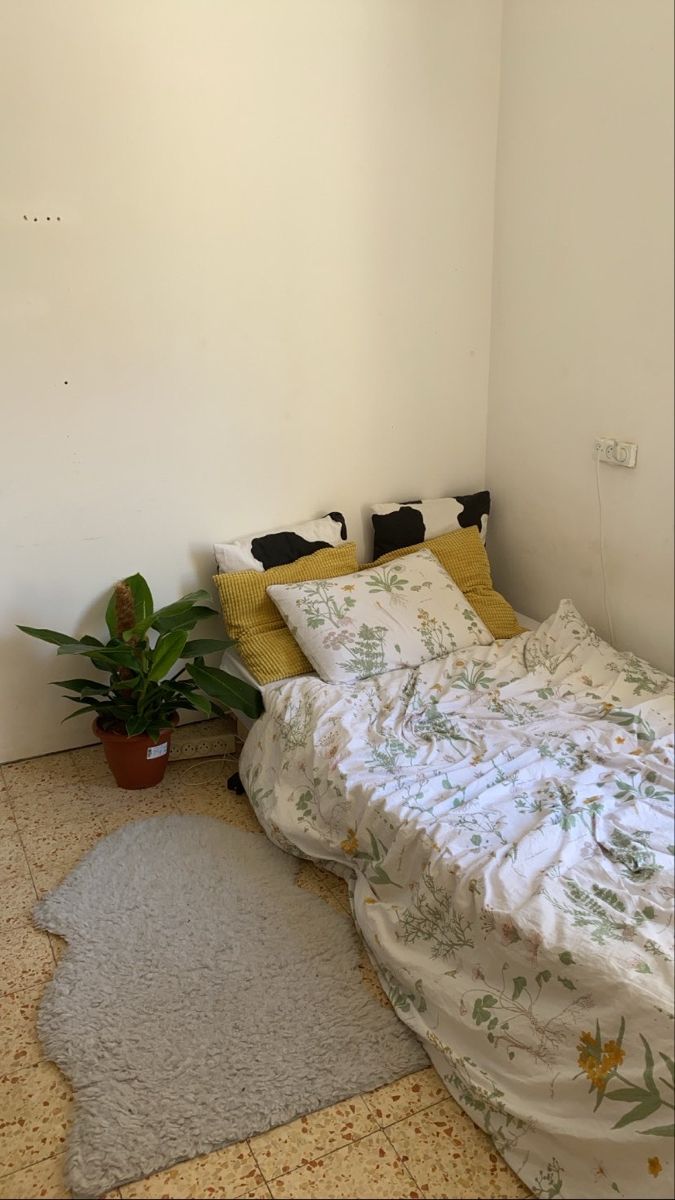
x=203, y=998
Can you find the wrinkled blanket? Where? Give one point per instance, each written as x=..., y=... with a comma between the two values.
x=505, y=818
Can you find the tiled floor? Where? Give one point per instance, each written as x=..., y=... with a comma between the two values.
x=408, y=1139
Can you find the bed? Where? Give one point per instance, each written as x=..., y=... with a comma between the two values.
x=504, y=817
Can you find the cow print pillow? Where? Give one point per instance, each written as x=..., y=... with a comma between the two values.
x=409, y=522
x=280, y=546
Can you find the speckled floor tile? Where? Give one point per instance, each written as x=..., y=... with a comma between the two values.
x=43, y=1179
x=127, y=806
x=216, y=802
x=19, y=1045
x=34, y=1113
x=25, y=958
x=7, y=824
x=281, y=1150
x=229, y=1172
x=397, y=1100
x=17, y=897
x=53, y=851
x=90, y=766
x=12, y=858
x=370, y=980
x=74, y=803
x=366, y=1169
x=451, y=1158
x=320, y=882
x=38, y=774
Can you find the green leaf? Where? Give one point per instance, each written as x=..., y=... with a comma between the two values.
x=519, y=983
x=234, y=693
x=660, y=1131
x=136, y=724
x=543, y=977
x=85, y=708
x=640, y=1113
x=107, y=659
x=167, y=652
x=143, y=602
x=201, y=702
x=187, y=601
x=566, y=958
x=628, y=1095
x=669, y=1063
x=186, y=618
x=567, y=983
x=80, y=685
x=49, y=635
x=649, y=1066
x=201, y=646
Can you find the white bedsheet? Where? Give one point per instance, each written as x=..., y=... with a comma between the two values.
x=505, y=818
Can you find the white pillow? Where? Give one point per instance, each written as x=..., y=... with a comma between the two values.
x=396, y=525
x=275, y=547
x=400, y=614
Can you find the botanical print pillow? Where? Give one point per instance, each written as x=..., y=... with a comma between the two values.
x=400, y=614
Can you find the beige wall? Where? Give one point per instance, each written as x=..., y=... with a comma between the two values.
x=583, y=312
x=268, y=292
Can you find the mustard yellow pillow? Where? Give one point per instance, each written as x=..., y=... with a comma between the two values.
x=265, y=645
x=463, y=555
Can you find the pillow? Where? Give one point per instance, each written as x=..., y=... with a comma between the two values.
x=383, y=618
x=265, y=645
x=279, y=546
x=414, y=521
x=464, y=557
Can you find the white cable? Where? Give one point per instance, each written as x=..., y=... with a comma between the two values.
x=608, y=615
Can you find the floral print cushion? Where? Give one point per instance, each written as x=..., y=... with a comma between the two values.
x=400, y=614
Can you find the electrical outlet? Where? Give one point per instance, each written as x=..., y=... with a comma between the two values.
x=204, y=739
x=617, y=454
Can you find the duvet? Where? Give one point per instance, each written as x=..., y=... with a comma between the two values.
x=504, y=816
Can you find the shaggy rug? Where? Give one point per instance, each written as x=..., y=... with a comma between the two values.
x=203, y=998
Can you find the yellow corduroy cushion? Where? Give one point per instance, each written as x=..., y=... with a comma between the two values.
x=264, y=643
x=464, y=557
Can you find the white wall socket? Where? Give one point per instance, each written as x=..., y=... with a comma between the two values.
x=617, y=454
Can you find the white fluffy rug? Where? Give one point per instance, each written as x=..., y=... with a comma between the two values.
x=203, y=998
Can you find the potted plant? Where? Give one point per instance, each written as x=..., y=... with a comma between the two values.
x=137, y=705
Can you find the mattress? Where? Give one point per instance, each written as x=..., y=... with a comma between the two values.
x=504, y=816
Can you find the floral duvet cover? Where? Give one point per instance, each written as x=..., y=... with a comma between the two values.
x=505, y=818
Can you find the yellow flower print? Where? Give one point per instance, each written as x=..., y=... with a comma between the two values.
x=459, y=662
x=598, y=1061
x=348, y=587
x=620, y=740
x=654, y=1166
x=351, y=843
x=606, y=706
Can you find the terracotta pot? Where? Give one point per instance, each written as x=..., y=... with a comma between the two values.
x=136, y=762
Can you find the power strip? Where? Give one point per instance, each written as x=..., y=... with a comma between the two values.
x=204, y=739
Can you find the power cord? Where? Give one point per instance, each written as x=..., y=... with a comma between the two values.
x=605, y=602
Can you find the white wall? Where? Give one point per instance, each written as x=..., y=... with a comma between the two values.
x=583, y=312
x=268, y=292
